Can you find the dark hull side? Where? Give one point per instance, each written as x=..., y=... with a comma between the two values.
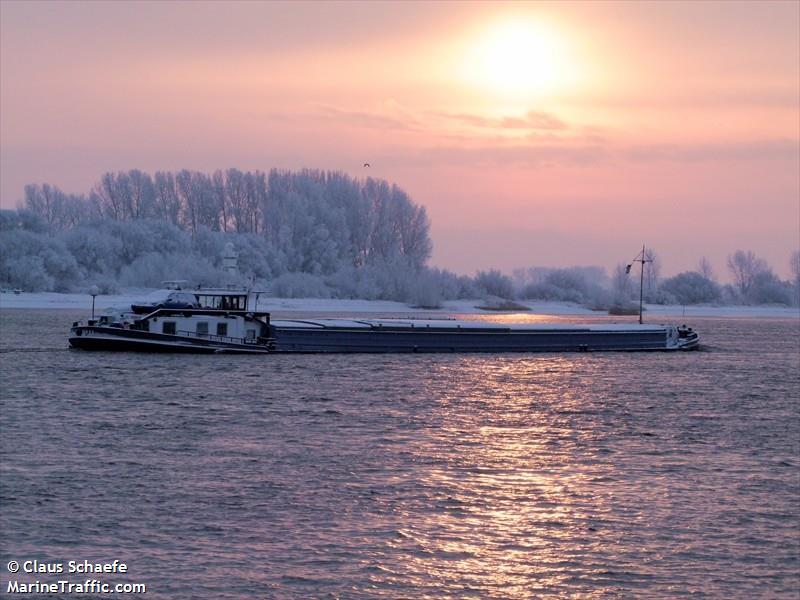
x=108, y=338
x=387, y=339
x=352, y=341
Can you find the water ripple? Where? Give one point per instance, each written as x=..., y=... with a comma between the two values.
x=480, y=476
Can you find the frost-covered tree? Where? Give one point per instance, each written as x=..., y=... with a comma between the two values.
x=236, y=199
x=621, y=287
x=691, y=288
x=705, y=269
x=299, y=285
x=141, y=202
x=652, y=272
x=587, y=285
x=310, y=221
x=153, y=268
x=58, y=210
x=45, y=201
x=220, y=196
x=494, y=283
x=22, y=219
x=109, y=195
x=745, y=267
x=767, y=288
x=794, y=265
x=36, y=262
x=167, y=198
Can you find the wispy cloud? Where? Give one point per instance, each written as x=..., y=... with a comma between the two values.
x=532, y=120
x=528, y=155
x=585, y=153
x=393, y=115
x=536, y=139
x=765, y=149
x=389, y=115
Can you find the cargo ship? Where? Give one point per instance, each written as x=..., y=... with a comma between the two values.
x=216, y=321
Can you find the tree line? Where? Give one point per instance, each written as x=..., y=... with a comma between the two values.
x=316, y=219
x=753, y=282
x=306, y=233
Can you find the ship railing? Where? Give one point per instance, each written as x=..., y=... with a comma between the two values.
x=216, y=338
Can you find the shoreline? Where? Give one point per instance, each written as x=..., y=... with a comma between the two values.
x=53, y=300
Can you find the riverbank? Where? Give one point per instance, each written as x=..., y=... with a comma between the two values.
x=51, y=300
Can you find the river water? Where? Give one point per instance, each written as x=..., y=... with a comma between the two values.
x=407, y=476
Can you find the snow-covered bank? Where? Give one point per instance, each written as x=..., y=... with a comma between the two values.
x=314, y=305
x=44, y=300
x=722, y=311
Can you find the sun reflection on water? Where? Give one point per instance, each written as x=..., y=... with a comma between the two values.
x=510, y=318
x=512, y=492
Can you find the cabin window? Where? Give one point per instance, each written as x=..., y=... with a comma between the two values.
x=202, y=328
x=210, y=301
x=222, y=329
x=143, y=325
x=168, y=327
x=232, y=303
x=251, y=334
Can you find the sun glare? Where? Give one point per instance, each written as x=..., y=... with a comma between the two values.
x=518, y=57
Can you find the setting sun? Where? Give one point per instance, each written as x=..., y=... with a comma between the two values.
x=519, y=58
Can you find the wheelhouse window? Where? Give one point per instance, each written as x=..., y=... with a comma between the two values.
x=168, y=327
x=222, y=329
x=202, y=328
x=223, y=302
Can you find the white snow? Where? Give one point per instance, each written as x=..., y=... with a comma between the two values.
x=44, y=300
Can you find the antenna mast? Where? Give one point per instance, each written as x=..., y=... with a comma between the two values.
x=640, y=258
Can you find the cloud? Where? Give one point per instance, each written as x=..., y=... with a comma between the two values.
x=584, y=152
x=536, y=156
x=390, y=115
x=535, y=139
x=766, y=149
x=532, y=120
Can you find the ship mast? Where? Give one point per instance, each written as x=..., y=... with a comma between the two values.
x=640, y=258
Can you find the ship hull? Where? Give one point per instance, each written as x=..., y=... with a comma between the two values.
x=108, y=338
x=316, y=336
x=361, y=336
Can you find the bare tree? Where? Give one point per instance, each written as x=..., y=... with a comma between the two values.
x=255, y=193
x=167, y=198
x=794, y=263
x=621, y=285
x=652, y=272
x=142, y=195
x=108, y=194
x=47, y=202
x=745, y=267
x=183, y=185
x=236, y=194
x=221, y=200
x=705, y=269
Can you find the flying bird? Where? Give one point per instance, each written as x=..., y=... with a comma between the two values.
x=366, y=164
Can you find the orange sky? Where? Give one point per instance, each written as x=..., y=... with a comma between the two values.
x=535, y=134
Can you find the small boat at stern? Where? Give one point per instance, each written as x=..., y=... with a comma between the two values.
x=214, y=321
